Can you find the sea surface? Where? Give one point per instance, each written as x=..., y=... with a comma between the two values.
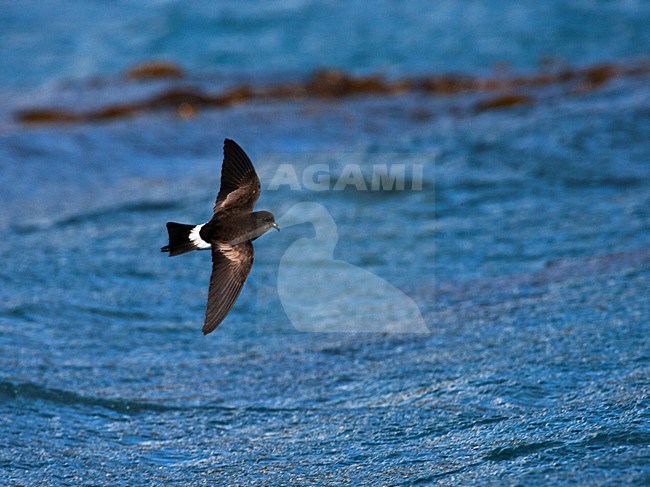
x=527, y=250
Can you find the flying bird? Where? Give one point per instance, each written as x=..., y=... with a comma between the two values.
x=229, y=234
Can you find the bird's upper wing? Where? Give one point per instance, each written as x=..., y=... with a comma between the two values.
x=240, y=186
x=231, y=265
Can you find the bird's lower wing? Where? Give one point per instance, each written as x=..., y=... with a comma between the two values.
x=231, y=265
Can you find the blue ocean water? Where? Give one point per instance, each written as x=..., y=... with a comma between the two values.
x=527, y=252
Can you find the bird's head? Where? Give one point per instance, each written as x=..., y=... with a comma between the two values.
x=266, y=220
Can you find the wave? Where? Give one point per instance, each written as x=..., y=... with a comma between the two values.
x=617, y=437
x=97, y=214
x=29, y=391
x=35, y=392
x=496, y=290
x=510, y=453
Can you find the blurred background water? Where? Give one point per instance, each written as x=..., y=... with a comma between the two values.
x=527, y=251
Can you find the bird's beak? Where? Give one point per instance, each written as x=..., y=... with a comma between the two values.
x=276, y=226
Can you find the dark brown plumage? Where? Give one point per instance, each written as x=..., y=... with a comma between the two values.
x=234, y=225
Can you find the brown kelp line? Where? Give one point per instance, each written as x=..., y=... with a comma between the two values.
x=503, y=91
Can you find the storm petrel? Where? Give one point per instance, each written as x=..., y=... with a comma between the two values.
x=229, y=234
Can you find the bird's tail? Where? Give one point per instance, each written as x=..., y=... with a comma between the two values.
x=183, y=238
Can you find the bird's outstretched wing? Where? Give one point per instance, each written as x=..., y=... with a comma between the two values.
x=231, y=265
x=240, y=186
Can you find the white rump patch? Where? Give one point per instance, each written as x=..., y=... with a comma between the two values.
x=195, y=238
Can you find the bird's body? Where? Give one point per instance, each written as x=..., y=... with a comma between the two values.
x=236, y=228
x=234, y=225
